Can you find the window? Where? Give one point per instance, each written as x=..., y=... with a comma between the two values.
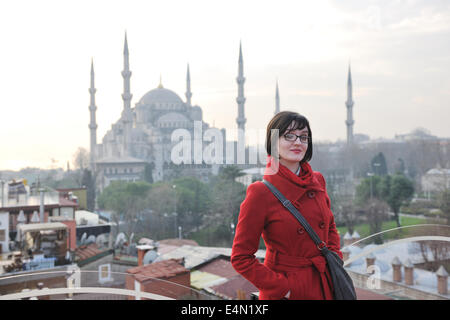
x=104, y=273
x=2, y=235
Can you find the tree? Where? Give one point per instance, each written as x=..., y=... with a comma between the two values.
x=193, y=201
x=399, y=167
x=88, y=181
x=148, y=172
x=369, y=188
x=378, y=165
x=231, y=173
x=376, y=211
x=397, y=190
x=228, y=195
x=127, y=200
x=80, y=160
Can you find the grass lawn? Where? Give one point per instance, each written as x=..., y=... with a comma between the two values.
x=363, y=229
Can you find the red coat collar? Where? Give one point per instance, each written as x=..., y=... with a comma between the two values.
x=290, y=185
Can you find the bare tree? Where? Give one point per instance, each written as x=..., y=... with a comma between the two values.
x=377, y=212
x=80, y=161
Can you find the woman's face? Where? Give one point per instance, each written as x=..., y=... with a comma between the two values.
x=291, y=149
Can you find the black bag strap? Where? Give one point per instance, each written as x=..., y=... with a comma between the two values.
x=319, y=243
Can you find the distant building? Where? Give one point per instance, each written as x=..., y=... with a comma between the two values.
x=436, y=180
x=21, y=201
x=251, y=175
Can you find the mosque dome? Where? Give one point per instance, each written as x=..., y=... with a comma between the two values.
x=161, y=98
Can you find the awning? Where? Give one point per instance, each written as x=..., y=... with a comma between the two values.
x=33, y=227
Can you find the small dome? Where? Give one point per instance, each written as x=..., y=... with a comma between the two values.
x=161, y=97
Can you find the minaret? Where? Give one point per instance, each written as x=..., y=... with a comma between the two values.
x=188, y=87
x=349, y=103
x=240, y=99
x=277, y=100
x=126, y=96
x=92, y=124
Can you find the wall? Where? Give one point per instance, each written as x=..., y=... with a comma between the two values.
x=398, y=289
x=175, y=287
x=4, y=231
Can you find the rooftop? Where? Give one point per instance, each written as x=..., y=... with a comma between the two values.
x=160, y=270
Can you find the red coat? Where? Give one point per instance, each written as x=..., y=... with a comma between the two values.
x=292, y=262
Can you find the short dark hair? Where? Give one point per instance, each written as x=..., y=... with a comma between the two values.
x=281, y=121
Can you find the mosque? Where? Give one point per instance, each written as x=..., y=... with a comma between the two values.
x=138, y=146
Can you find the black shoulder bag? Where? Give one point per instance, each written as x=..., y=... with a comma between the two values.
x=342, y=283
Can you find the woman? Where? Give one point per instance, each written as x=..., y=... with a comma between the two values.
x=293, y=267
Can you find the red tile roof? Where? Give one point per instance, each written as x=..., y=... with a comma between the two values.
x=87, y=251
x=161, y=269
x=221, y=267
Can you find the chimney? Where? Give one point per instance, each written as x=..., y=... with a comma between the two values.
x=396, y=270
x=345, y=253
x=409, y=272
x=370, y=261
x=142, y=250
x=347, y=239
x=442, y=279
x=355, y=236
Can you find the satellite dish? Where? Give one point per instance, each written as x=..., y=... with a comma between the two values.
x=120, y=239
x=83, y=238
x=21, y=218
x=149, y=257
x=35, y=218
x=90, y=239
x=101, y=239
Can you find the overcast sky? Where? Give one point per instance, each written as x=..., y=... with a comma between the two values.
x=399, y=53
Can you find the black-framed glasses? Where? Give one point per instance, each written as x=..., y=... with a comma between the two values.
x=292, y=137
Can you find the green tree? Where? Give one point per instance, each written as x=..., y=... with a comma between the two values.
x=378, y=165
x=148, y=172
x=88, y=181
x=397, y=190
x=369, y=188
x=228, y=195
x=127, y=200
x=193, y=201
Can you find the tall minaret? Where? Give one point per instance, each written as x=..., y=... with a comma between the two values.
x=240, y=99
x=126, y=96
x=188, y=87
x=92, y=124
x=349, y=103
x=277, y=100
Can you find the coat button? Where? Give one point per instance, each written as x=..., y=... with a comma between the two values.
x=311, y=194
x=300, y=230
x=322, y=225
